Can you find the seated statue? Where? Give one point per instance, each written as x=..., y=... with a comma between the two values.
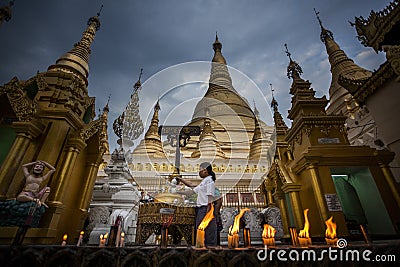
x=32, y=190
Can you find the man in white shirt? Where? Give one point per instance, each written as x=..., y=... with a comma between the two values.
x=205, y=197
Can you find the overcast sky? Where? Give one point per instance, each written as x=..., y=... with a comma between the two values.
x=155, y=35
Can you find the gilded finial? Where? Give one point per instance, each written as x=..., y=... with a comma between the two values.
x=138, y=84
x=272, y=90
x=106, y=108
x=293, y=70
x=274, y=103
x=217, y=45
x=98, y=13
x=141, y=72
x=157, y=106
x=319, y=20
x=324, y=32
x=287, y=52
x=256, y=112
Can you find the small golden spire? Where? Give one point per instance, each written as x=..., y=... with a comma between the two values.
x=217, y=46
x=106, y=108
x=256, y=112
x=77, y=59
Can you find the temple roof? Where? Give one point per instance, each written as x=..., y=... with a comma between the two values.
x=380, y=28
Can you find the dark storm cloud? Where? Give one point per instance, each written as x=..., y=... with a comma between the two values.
x=157, y=34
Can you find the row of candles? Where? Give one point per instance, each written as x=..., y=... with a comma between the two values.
x=119, y=242
x=268, y=235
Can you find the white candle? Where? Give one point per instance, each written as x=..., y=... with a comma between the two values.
x=80, y=239
x=64, y=242
x=122, y=239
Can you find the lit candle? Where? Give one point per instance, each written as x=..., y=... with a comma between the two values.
x=105, y=239
x=246, y=237
x=200, y=238
x=233, y=240
x=101, y=244
x=64, y=242
x=268, y=235
x=121, y=244
x=330, y=233
x=304, y=236
x=80, y=239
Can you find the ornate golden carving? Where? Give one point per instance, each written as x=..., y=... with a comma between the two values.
x=384, y=73
x=393, y=56
x=24, y=108
x=372, y=31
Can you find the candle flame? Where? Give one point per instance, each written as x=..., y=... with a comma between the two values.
x=207, y=219
x=101, y=237
x=122, y=234
x=234, y=229
x=82, y=232
x=304, y=233
x=65, y=236
x=269, y=231
x=330, y=228
x=105, y=236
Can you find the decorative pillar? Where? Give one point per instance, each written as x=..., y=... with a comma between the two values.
x=281, y=200
x=26, y=131
x=387, y=173
x=318, y=193
x=73, y=147
x=89, y=184
x=293, y=190
x=269, y=186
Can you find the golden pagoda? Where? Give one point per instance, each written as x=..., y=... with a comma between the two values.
x=237, y=143
x=50, y=117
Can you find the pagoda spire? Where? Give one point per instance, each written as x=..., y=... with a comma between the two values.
x=303, y=99
x=219, y=71
x=280, y=124
x=104, y=122
x=324, y=32
x=153, y=129
x=217, y=46
x=256, y=112
x=344, y=72
x=293, y=70
x=274, y=104
x=208, y=146
x=76, y=60
x=138, y=84
x=151, y=144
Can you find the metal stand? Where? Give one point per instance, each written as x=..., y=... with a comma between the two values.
x=19, y=237
x=167, y=216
